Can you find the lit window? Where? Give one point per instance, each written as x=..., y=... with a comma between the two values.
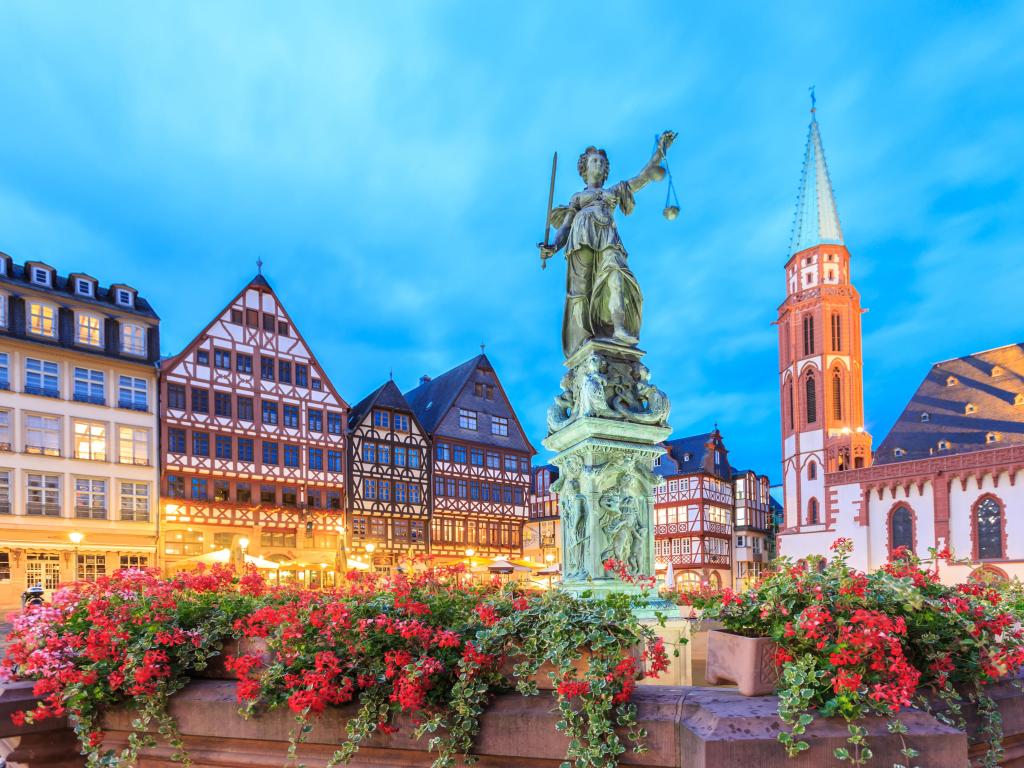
x=90, y=440
x=88, y=330
x=42, y=434
x=90, y=498
x=1018, y=399
x=133, y=446
x=42, y=319
x=41, y=276
x=133, y=339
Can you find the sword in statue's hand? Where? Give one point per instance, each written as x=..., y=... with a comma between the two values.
x=544, y=252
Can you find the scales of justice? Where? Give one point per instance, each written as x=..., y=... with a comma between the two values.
x=608, y=421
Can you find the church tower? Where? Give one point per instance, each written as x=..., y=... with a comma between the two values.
x=820, y=359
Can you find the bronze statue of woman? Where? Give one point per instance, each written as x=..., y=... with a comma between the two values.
x=603, y=299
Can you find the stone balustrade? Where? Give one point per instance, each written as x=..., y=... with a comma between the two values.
x=687, y=728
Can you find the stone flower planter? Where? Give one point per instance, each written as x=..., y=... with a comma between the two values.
x=749, y=662
x=216, y=669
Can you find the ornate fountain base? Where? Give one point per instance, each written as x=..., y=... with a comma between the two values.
x=606, y=427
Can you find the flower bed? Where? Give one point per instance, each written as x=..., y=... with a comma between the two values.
x=856, y=645
x=429, y=645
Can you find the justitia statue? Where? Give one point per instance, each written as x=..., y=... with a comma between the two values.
x=602, y=297
x=607, y=423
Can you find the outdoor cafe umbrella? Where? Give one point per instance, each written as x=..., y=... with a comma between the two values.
x=223, y=557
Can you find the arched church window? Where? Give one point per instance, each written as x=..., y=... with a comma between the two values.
x=988, y=530
x=808, y=334
x=837, y=333
x=837, y=395
x=812, y=512
x=812, y=470
x=812, y=399
x=901, y=528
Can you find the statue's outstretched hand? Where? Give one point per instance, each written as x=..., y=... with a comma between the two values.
x=665, y=140
x=546, y=250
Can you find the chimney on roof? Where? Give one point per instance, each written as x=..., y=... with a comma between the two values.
x=424, y=379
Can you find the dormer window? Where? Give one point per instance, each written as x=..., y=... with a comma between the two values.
x=945, y=445
x=997, y=370
x=84, y=287
x=952, y=381
x=899, y=452
x=992, y=437
x=970, y=408
x=1018, y=399
x=686, y=457
x=124, y=297
x=925, y=417
x=42, y=276
x=3, y=265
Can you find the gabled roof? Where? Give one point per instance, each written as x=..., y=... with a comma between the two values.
x=432, y=399
x=961, y=402
x=817, y=220
x=387, y=395
x=689, y=455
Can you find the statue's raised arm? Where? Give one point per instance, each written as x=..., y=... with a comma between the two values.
x=653, y=170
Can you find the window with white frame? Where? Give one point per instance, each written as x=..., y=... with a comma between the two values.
x=42, y=319
x=41, y=276
x=42, y=569
x=83, y=287
x=135, y=502
x=42, y=494
x=42, y=434
x=133, y=339
x=132, y=393
x=89, y=386
x=685, y=545
x=90, y=440
x=3, y=311
x=5, y=492
x=88, y=329
x=467, y=419
x=90, y=498
x=41, y=377
x=499, y=425
x=5, y=371
x=125, y=298
x=6, y=437
x=133, y=445
x=5, y=566
x=675, y=546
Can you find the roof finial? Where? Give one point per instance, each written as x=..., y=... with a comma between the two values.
x=482, y=345
x=391, y=374
x=259, y=265
x=814, y=101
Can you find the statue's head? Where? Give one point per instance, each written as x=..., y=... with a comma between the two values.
x=593, y=166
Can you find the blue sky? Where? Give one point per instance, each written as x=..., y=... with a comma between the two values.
x=389, y=163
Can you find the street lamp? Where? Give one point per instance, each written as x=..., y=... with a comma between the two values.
x=243, y=544
x=76, y=539
x=549, y=559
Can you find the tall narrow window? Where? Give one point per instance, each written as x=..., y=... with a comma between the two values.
x=837, y=396
x=812, y=399
x=902, y=528
x=812, y=470
x=837, y=333
x=989, y=529
x=789, y=402
x=813, y=518
x=808, y=335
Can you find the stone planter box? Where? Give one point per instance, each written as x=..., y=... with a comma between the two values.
x=216, y=669
x=749, y=662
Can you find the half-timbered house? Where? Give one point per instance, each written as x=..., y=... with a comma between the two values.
x=253, y=442
x=388, y=480
x=542, y=532
x=693, y=510
x=480, y=466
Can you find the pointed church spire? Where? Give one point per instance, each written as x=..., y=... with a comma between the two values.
x=817, y=220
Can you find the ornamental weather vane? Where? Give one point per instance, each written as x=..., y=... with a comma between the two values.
x=603, y=299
